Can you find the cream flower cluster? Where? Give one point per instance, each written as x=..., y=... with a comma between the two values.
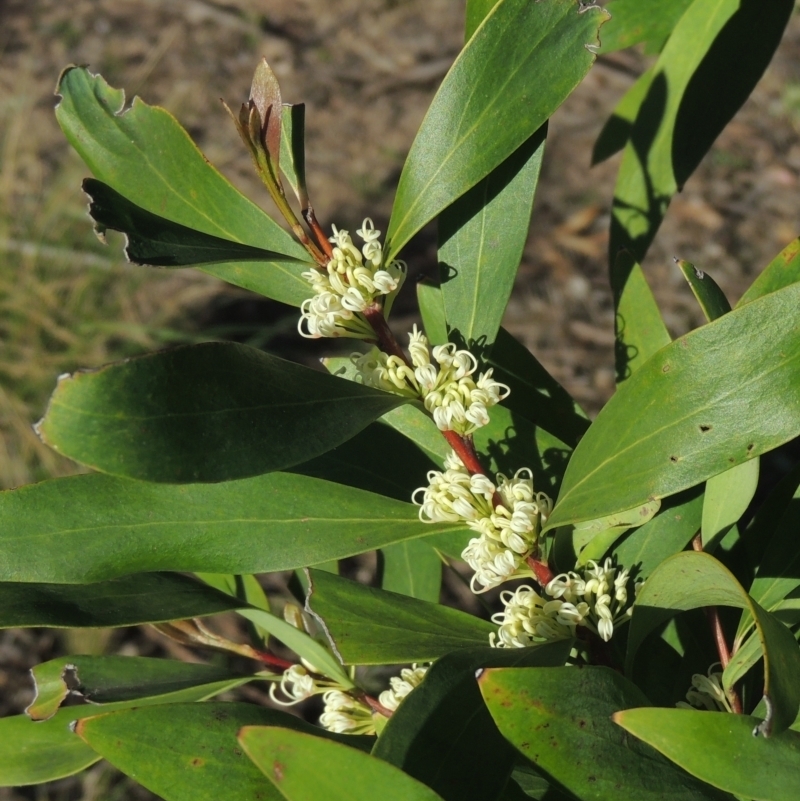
x=297, y=684
x=443, y=379
x=508, y=531
x=350, y=283
x=343, y=714
x=402, y=685
x=707, y=693
x=596, y=600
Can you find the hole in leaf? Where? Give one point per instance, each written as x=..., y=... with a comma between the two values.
x=673, y=459
x=704, y=428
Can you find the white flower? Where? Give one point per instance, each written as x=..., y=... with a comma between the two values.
x=401, y=686
x=344, y=715
x=297, y=685
x=442, y=379
x=350, y=283
x=707, y=693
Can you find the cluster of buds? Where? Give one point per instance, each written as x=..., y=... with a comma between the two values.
x=344, y=714
x=508, y=531
x=596, y=600
x=351, y=282
x=707, y=692
x=401, y=686
x=442, y=379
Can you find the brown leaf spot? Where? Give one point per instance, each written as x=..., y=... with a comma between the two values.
x=197, y=762
x=673, y=459
x=277, y=769
x=704, y=427
x=666, y=368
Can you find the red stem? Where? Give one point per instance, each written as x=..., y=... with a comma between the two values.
x=386, y=341
x=374, y=704
x=316, y=229
x=273, y=661
x=712, y=613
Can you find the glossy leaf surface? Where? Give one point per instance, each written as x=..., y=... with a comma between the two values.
x=486, y=106
x=481, y=238
x=720, y=749
x=412, y=568
x=92, y=528
x=210, y=412
x=303, y=767
x=783, y=270
x=368, y=626
x=690, y=580
x=189, y=752
x=559, y=718
x=125, y=601
x=145, y=154
x=442, y=733
x=714, y=398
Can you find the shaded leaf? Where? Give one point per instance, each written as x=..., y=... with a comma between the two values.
x=95, y=527
x=485, y=108
x=146, y=155
x=633, y=22
x=442, y=733
x=189, y=752
x=727, y=497
x=559, y=718
x=412, y=568
x=431, y=309
x=125, y=601
x=159, y=242
x=714, y=398
x=293, y=149
x=711, y=298
x=690, y=580
x=720, y=749
x=210, y=412
x=303, y=767
x=368, y=626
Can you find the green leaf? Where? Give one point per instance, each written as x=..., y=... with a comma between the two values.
x=638, y=326
x=293, y=149
x=783, y=270
x=481, y=239
x=303, y=767
x=617, y=130
x=727, y=497
x=720, y=749
x=368, y=626
x=412, y=568
x=301, y=643
x=475, y=14
x=42, y=751
x=189, y=752
x=144, y=154
x=431, y=309
x=442, y=733
x=705, y=72
x=210, y=412
x=91, y=528
x=667, y=533
x=712, y=399
x=559, y=718
x=690, y=580
x=486, y=107
x=108, y=679
x=711, y=298
x=633, y=22
x=160, y=242
x=535, y=394
x=418, y=426
x=126, y=601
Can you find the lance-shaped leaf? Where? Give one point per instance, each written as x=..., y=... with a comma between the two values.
x=535, y=394
x=720, y=749
x=481, y=239
x=160, y=242
x=705, y=72
x=442, y=733
x=690, y=580
x=711, y=298
x=209, y=412
x=714, y=398
x=559, y=718
x=368, y=626
x=109, y=679
x=639, y=329
x=126, y=601
x=94, y=527
x=189, y=752
x=783, y=270
x=412, y=568
x=518, y=67
x=633, y=22
x=145, y=154
x=302, y=767
x=431, y=309
x=293, y=150
x=42, y=751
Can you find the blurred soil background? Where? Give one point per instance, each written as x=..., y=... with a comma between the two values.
x=367, y=70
